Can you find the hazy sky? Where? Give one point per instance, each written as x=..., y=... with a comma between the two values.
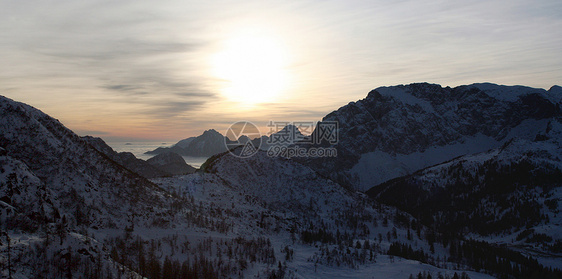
x=166, y=70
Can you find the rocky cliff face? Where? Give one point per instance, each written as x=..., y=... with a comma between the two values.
x=397, y=130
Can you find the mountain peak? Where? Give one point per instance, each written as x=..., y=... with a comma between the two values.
x=211, y=132
x=399, y=129
x=555, y=89
x=510, y=93
x=209, y=143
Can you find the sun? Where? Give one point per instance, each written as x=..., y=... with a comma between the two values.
x=253, y=69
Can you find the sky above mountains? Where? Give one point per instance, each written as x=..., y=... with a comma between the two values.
x=166, y=70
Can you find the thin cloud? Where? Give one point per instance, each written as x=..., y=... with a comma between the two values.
x=123, y=87
x=151, y=59
x=167, y=109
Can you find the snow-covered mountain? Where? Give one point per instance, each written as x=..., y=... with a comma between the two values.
x=284, y=183
x=296, y=198
x=322, y=229
x=69, y=210
x=52, y=182
x=398, y=130
x=514, y=191
x=54, y=157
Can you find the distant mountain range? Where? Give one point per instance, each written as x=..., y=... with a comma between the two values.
x=212, y=142
x=428, y=180
x=166, y=164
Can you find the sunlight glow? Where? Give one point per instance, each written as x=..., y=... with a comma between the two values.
x=253, y=69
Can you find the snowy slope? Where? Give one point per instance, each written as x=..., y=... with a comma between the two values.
x=22, y=193
x=52, y=182
x=67, y=209
x=510, y=195
x=70, y=167
x=276, y=180
x=292, y=205
x=397, y=130
x=257, y=217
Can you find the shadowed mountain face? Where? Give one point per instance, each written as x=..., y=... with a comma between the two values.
x=54, y=172
x=398, y=130
x=171, y=163
x=517, y=186
x=184, y=143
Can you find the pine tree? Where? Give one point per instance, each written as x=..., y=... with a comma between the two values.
x=61, y=228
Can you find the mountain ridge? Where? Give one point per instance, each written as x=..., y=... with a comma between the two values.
x=105, y=215
x=66, y=162
x=395, y=127
x=126, y=159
